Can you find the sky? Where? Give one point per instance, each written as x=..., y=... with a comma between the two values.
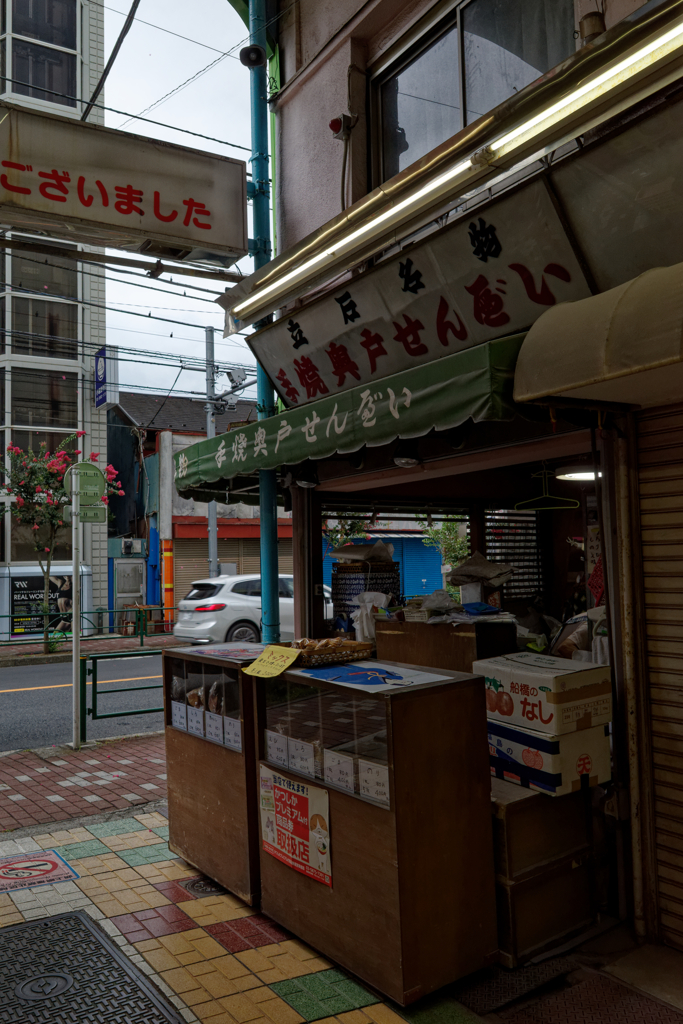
x=151, y=63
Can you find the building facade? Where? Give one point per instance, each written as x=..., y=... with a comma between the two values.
x=52, y=309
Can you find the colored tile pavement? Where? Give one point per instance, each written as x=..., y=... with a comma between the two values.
x=37, y=787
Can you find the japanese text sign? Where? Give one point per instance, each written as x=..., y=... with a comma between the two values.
x=116, y=188
x=272, y=662
x=295, y=825
x=487, y=276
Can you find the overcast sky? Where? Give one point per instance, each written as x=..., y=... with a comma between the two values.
x=150, y=64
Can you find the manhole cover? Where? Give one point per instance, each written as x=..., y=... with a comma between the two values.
x=44, y=986
x=203, y=887
x=64, y=969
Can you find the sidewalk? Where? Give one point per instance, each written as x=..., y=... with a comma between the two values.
x=55, y=784
x=32, y=653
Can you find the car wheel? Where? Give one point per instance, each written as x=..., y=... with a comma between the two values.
x=243, y=633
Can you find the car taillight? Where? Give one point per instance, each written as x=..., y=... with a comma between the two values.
x=210, y=608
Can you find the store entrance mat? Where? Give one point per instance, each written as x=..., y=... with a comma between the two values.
x=596, y=998
x=64, y=970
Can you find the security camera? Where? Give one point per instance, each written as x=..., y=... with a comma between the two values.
x=253, y=56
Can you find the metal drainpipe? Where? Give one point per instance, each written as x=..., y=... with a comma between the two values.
x=260, y=164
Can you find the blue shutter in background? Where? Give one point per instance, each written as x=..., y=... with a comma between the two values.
x=421, y=568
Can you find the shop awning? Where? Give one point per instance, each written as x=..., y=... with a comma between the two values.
x=625, y=345
x=475, y=383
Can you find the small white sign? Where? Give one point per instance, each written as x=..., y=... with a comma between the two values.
x=214, y=727
x=339, y=770
x=178, y=715
x=301, y=757
x=233, y=733
x=373, y=780
x=195, y=721
x=276, y=748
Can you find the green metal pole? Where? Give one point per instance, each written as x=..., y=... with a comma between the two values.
x=260, y=162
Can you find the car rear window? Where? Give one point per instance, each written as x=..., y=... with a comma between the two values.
x=200, y=591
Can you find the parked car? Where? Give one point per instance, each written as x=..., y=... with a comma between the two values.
x=228, y=609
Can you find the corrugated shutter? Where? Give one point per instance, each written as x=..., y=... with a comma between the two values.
x=661, y=512
x=421, y=568
x=191, y=559
x=512, y=537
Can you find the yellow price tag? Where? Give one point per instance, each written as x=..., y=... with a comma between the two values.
x=272, y=661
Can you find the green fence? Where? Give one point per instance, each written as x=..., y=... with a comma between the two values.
x=127, y=623
x=93, y=711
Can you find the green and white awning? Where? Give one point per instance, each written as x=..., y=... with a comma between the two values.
x=475, y=383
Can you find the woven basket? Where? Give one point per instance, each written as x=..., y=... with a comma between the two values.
x=353, y=650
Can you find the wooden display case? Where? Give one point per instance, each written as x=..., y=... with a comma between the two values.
x=452, y=646
x=408, y=904
x=212, y=799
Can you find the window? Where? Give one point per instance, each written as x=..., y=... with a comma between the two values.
x=285, y=589
x=44, y=398
x=56, y=277
x=251, y=588
x=201, y=591
x=484, y=53
x=39, y=52
x=41, y=328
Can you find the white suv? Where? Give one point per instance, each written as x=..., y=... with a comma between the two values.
x=228, y=609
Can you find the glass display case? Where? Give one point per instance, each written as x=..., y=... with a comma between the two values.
x=375, y=828
x=211, y=765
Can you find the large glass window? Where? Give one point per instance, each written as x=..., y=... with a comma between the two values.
x=43, y=328
x=485, y=53
x=421, y=104
x=49, y=275
x=50, y=21
x=43, y=73
x=509, y=43
x=45, y=398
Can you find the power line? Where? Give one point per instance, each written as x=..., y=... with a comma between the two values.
x=141, y=21
x=133, y=117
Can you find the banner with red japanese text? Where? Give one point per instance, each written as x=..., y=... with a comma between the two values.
x=114, y=188
x=488, y=275
x=295, y=824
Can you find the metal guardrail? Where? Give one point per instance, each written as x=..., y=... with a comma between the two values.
x=136, y=617
x=94, y=659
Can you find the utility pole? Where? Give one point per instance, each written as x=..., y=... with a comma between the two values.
x=211, y=432
x=260, y=176
x=76, y=609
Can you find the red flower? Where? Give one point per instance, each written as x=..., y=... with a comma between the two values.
x=35, y=526
x=20, y=502
x=78, y=452
x=48, y=550
x=80, y=433
x=94, y=456
x=38, y=489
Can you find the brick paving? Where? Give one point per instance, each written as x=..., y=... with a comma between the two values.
x=36, y=788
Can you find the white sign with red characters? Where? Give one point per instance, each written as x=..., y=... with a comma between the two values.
x=547, y=694
x=295, y=824
x=102, y=186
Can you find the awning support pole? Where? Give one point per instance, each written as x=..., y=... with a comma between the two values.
x=270, y=601
x=212, y=511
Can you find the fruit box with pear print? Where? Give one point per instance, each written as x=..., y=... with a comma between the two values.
x=551, y=764
x=551, y=695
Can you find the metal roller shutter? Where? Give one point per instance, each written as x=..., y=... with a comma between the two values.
x=660, y=454
x=191, y=559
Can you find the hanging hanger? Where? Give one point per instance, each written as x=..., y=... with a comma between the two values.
x=546, y=501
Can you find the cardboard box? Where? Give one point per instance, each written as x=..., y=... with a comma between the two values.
x=551, y=764
x=551, y=695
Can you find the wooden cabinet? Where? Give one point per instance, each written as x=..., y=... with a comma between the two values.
x=451, y=645
x=404, y=779
x=211, y=771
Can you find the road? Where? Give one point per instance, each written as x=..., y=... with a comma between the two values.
x=35, y=702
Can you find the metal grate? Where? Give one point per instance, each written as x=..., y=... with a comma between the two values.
x=513, y=537
x=64, y=968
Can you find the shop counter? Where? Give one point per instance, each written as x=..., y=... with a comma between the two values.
x=210, y=757
x=375, y=823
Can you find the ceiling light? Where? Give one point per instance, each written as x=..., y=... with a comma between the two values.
x=575, y=473
x=406, y=454
x=307, y=476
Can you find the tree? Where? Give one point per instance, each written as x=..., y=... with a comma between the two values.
x=344, y=530
x=35, y=482
x=448, y=538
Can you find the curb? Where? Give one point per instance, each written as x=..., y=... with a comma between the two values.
x=53, y=659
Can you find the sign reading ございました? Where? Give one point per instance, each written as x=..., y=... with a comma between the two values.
x=123, y=190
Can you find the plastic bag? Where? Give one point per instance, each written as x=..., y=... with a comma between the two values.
x=195, y=698
x=216, y=699
x=178, y=689
x=363, y=620
x=440, y=601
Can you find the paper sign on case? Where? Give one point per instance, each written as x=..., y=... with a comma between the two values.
x=272, y=662
x=295, y=825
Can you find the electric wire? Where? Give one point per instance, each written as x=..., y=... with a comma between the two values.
x=141, y=21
